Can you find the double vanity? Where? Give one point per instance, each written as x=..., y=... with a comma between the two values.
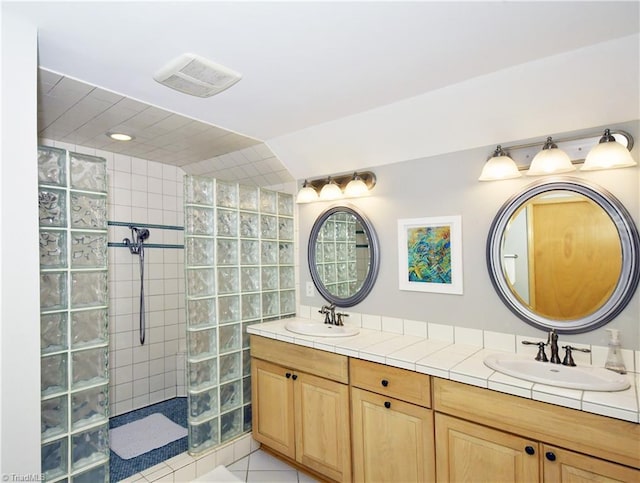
x=379, y=406
x=353, y=404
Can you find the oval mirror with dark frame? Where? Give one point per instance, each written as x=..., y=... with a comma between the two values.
x=563, y=254
x=343, y=255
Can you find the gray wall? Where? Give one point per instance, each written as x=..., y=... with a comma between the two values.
x=448, y=185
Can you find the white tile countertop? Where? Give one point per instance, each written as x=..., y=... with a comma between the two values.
x=459, y=362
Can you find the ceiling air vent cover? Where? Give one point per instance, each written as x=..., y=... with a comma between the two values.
x=196, y=76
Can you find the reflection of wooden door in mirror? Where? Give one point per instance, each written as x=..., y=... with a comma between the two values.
x=576, y=257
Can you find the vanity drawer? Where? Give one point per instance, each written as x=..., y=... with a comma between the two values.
x=312, y=361
x=389, y=381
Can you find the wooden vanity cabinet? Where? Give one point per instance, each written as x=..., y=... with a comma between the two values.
x=467, y=451
x=406, y=426
x=470, y=452
x=273, y=407
x=392, y=425
x=300, y=405
x=482, y=438
x=564, y=466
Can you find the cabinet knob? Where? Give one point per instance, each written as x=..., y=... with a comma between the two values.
x=287, y=375
x=294, y=377
x=384, y=382
x=550, y=456
x=387, y=404
x=530, y=450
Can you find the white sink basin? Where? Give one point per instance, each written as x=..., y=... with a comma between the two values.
x=318, y=329
x=579, y=377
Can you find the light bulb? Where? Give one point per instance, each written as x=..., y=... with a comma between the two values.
x=500, y=166
x=307, y=194
x=550, y=160
x=608, y=154
x=356, y=187
x=118, y=136
x=330, y=191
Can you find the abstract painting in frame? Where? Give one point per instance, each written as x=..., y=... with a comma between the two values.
x=430, y=254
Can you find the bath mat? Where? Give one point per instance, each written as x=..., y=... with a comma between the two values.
x=146, y=434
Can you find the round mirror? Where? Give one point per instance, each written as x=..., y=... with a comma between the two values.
x=564, y=255
x=343, y=256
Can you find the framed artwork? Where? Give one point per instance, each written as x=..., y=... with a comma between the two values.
x=430, y=254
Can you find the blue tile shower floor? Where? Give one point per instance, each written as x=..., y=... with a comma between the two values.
x=176, y=410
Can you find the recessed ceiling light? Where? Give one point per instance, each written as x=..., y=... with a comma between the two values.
x=118, y=136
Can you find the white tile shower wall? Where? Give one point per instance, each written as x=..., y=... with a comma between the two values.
x=151, y=193
x=142, y=191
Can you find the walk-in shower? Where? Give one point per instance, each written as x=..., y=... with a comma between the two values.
x=234, y=267
x=136, y=247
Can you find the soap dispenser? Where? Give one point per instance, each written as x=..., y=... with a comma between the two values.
x=614, y=358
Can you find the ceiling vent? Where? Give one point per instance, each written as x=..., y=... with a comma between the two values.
x=196, y=76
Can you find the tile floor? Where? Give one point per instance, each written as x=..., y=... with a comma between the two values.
x=260, y=466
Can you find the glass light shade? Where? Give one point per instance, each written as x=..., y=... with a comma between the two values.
x=356, y=187
x=306, y=194
x=608, y=155
x=550, y=160
x=330, y=191
x=500, y=166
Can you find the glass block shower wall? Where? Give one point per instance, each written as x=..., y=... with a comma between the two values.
x=239, y=263
x=336, y=255
x=74, y=321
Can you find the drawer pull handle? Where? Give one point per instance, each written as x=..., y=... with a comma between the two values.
x=387, y=404
x=385, y=383
x=294, y=377
x=550, y=456
x=287, y=375
x=530, y=450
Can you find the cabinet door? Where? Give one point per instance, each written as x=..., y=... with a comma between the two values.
x=568, y=467
x=392, y=440
x=468, y=452
x=322, y=426
x=272, y=406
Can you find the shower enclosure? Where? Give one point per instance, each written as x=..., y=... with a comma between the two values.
x=73, y=302
x=239, y=270
x=239, y=262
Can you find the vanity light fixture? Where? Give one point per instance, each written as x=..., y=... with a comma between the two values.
x=336, y=187
x=550, y=160
x=356, y=187
x=307, y=193
x=330, y=191
x=499, y=166
x=608, y=154
x=608, y=151
x=119, y=136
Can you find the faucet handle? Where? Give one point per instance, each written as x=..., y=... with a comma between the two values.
x=568, y=358
x=326, y=312
x=339, y=316
x=541, y=356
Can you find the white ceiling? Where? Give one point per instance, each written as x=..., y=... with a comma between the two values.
x=81, y=114
x=306, y=64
